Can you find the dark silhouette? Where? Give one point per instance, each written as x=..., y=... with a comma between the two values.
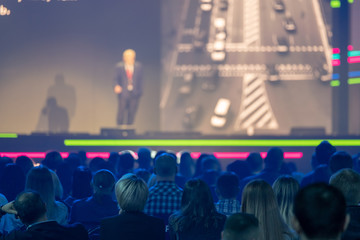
x=125, y=164
x=52, y=160
x=241, y=226
x=227, y=189
x=186, y=166
x=25, y=163
x=53, y=118
x=340, y=160
x=255, y=162
x=144, y=158
x=240, y=168
x=12, y=181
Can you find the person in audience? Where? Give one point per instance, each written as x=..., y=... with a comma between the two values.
x=322, y=172
x=186, y=166
x=131, y=223
x=25, y=163
x=285, y=189
x=32, y=211
x=12, y=181
x=81, y=185
x=126, y=163
x=3, y=162
x=96, y=164
x=52, y=160
x=64, y=174
x=255, y=162
x=211, y=171
x=241, y=226
x=113, y=162
x=198, y=164
x=348, y=182
x=240, y=168
x=273, y=161
x=320, y=212
x=227, y=189
x=197, y=217
x=91, y=210
x=144, y=158
x=40, y=180
x=340, y=160
x=165, y=196
x=259, y=199
x=59, y=192
x=142, y=173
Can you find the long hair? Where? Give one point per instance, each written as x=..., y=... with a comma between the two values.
x=285, y=189
x=258, y=198
x=197, y=207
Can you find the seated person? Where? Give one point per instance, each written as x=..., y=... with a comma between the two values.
x=227, y=189
x=31, y=210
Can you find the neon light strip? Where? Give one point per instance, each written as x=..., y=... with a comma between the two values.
x=209, y=142
x=335, y=3
x=336, y=56
x=353, y=81
x=354, y=53
x=354, y=74
x=8, y=135
x=335, y=62
x=336, y=50
x=335, y=83
x=353, y=59
x=220, y=155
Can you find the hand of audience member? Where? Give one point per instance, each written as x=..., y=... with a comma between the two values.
x=9, y=208
x=117, y=89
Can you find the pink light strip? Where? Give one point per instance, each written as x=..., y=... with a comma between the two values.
x=353, y=59
x=336, y=62
x=350, y=48
x=336, y=50
x=221, y=155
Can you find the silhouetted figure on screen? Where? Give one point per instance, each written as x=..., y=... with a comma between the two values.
x=57, y=116
x=128, y=87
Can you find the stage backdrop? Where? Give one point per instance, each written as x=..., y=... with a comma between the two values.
x=68, y=50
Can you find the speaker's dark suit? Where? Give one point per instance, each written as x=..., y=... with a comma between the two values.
x=128, y=99
x=50, y=230
x=132, y=226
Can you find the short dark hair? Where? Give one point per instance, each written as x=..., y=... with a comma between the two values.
x=241, y=226
x=348, y=182
x=227, y=185
x=340, y=160
x=274, y=158
x=320, y=210
x=165, y=165
x=29, y=206
x=323, y=152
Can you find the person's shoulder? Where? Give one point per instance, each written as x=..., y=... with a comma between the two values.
x=119, y=64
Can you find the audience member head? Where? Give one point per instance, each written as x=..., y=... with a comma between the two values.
x=348, y=182
x=103, y=182
x=323, y=152
x=96, y=164
x=241, y=226
x=12, y=181
x=143, y=174
x=210, y=163
x=320, y=212
x=255, y=162
x=144, y=158
x=3, y=162
x=64, y=173
x=25, y=163
x=52, y=160
x=30, y=207
x=165, y=167
x=131, y=193
x=340, y=160
x=83, y=158
x=227, y=186
x=198, y=164
x=59, y=192
x=274, y=159
x=126, y=163
x=240, y=168
x=73, y=160
x=186, y=166
x=258, y=198
x=81, y=187
x=113, y=161
x=285, y=189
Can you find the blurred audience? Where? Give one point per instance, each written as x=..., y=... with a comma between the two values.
x=81, y=185
x=227, y=189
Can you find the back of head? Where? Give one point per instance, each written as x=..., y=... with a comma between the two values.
x=186, y=166
x=210, y=163
x=241, y=226
x=255, y=161
x=52, y=160
x=285, y=189
x=40, y=180
x=144, y=158
x=320, y=210
x=274, y=158
x=103, y=182
x=340, y=160
x=348, y=182
x=96, y=164
x=165, y=165
x=25, y=163
x=323, y=152
x=126, y=162
x=131, y=193
x=258, y=198
x=58, y=188
x=12, y=181
x=81, y=186
x=240, y=168
x=30, y=207
x=227, y=185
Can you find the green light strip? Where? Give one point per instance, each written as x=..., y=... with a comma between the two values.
x=335, y=3
x=353, y=53
x=336, y=56
x=350, y=1
x=335, y=83
x=353, y=81
x=8, y=135
x=209, y=142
